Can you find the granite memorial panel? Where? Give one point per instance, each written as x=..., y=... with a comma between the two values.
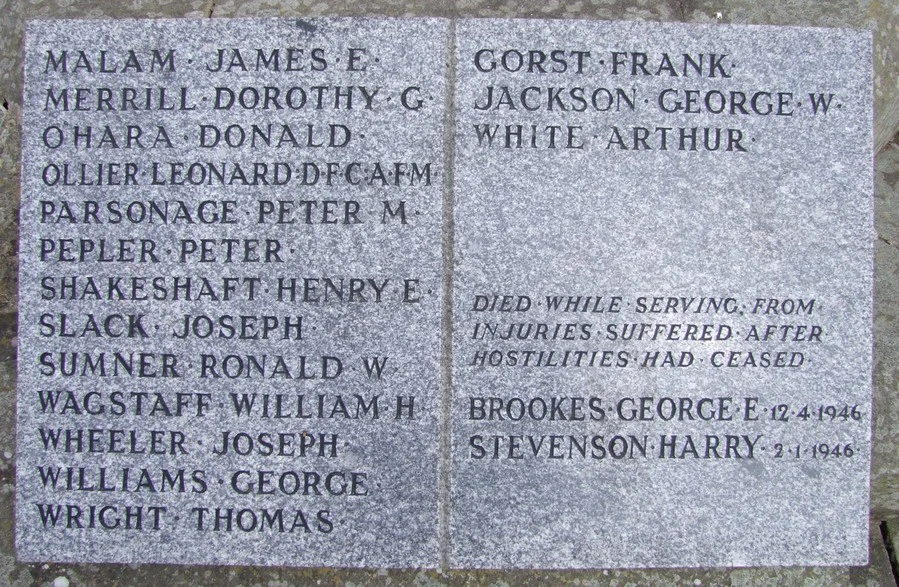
x=231, y=290
x=231, y=294
x=662, y=295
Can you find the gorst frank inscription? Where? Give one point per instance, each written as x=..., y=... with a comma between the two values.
x=231, y=292
x=662, y=300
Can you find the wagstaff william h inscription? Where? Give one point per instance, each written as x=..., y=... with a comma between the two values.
x=231, y=285
x=231, y=292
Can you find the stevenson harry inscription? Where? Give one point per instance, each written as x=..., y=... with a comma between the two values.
x=662, y=295
x=231, y=294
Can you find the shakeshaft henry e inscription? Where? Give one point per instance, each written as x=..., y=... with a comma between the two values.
x=231, y=292
x=663, y=295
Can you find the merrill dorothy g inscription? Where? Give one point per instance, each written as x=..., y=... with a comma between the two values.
x=231, y=292
x=662, y=301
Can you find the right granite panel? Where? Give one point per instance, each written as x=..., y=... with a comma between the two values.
x=662, y=295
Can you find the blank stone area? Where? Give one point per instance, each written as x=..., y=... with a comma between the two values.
x=662, y=295
x=231, y=289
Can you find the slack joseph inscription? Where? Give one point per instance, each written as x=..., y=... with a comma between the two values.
x=662, y=301
x=231, y=292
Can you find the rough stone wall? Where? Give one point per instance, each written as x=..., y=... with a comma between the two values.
x=880, y=16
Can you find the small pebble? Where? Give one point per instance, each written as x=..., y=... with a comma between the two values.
x=61, y=582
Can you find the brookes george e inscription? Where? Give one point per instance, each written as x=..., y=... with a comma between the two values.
x=232, y=294
x=662, y=301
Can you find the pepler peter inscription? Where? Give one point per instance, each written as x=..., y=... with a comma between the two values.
x=232, y=285
x=231, y=292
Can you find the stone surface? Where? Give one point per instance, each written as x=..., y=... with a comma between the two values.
x=882, y=17
x=9, y=226
x=885, y=468
x=605, y=9
x=879, y=571
x=232, y=8
x=823, y=14
x=177, y=576
x=323, y=171
x=15, y=12
x=541, y=223
x=12, y=24
x=891, y=542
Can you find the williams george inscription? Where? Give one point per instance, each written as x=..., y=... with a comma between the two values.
x=232, y=283
x=231, y=290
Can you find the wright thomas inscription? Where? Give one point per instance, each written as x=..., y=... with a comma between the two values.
x=231, y=292
x=232, y=301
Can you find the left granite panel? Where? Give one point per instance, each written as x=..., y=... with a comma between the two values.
x=230, y=287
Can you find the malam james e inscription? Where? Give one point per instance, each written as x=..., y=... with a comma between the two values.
x=231, y=292
x=663, y=292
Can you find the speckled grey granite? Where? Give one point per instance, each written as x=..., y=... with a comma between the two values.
x=15, y=13
x=696, y=441
x=302, y=171
x=880, y=17
x=843, y=13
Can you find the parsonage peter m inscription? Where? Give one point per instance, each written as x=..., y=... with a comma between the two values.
x=662, y=299
x=231, y=292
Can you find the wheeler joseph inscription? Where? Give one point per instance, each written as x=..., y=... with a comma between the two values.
x=231, y=292
x=662, y=299
x=232, y=288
